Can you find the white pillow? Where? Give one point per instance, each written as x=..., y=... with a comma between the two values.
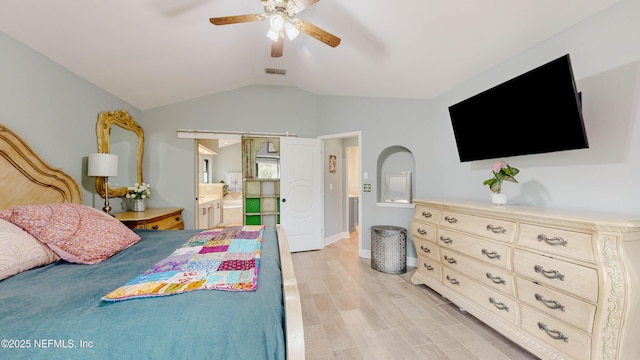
x=19, y=251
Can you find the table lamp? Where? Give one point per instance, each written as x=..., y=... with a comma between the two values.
x=105, y=165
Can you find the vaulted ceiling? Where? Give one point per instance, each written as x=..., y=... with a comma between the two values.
x=157, y=52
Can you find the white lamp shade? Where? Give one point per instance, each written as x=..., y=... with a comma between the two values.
x=101, y=164
x=273, y=35
x=291, y=31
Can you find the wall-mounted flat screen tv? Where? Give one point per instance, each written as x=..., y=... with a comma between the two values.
x=539, y=111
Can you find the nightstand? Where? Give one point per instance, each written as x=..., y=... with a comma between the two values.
x=153, y=219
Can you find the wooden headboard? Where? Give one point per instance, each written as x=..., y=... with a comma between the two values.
x=27, y=179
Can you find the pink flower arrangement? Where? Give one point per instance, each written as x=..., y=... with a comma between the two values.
x=501, y=172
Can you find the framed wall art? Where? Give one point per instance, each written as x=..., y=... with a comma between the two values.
x=332, y=163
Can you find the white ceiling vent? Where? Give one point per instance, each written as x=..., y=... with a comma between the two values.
x=274, y=71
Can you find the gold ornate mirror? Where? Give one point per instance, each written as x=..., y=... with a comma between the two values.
x=118, y=133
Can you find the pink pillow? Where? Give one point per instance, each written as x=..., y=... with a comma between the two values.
x=75, y=232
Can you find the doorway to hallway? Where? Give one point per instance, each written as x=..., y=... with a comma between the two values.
x=342, y=188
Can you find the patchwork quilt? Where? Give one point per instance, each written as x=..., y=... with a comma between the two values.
x=218, y=259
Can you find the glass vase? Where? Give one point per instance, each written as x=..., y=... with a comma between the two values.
x=499, y=199
x=138, y=205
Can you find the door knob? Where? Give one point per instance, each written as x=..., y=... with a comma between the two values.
x=284, y=200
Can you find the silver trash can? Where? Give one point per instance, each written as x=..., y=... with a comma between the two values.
x=389, y=249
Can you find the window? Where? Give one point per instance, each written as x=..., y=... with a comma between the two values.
x=205, y=170
x=268, y=167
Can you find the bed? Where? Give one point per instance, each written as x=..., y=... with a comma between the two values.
x=57, y=310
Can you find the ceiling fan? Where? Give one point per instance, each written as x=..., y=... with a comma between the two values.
x=281, y=15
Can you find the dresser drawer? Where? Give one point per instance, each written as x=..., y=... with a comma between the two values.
x=426, y=248
x=173, y=222
x=564, y=307
x=564, y=337
x=497, y=303
x=571, y=244
x=574, y=279
x=488, y=275
x=153, y=219
x=492, y=228
x=494, y=253
x=430, y=267
x=427, y=214
x=422, y=230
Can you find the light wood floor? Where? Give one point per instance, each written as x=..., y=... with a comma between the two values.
x=351, y=311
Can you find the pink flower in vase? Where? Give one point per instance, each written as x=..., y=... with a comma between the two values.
x=499, y=165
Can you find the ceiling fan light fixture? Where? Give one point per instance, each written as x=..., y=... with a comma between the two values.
x=282, y=22
x=291, y=30
x=277, y=21
x=273, y=35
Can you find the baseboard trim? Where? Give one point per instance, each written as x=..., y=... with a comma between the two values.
x=337, y=237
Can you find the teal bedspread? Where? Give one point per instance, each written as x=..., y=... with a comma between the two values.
x=56, y=312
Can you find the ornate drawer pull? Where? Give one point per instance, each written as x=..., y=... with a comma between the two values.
x=155, y=227
x=446, y=240
x=450, y=260
x=453, y=280
x=425, y=249
x=551, y=304
x=422, y=232
x=177, y=218
x=426, y=214
x=499, y=305
x=496, y=279
x=556, y=240
x=490, y=255
x=496, y=229
x=554, y=334
x=549, y=274
x=428, y=267
x=450, y=220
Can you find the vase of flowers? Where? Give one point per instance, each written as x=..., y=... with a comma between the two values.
x=501, y=172
x=139, y=193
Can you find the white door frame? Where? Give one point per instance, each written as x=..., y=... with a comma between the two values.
x=196, y=162
x=351, y=134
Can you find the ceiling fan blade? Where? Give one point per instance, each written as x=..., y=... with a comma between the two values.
x=303, y=4
x=225, y=20
x=318, y=33
x=277, y=47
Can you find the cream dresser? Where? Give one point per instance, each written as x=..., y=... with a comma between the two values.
x=562, y=285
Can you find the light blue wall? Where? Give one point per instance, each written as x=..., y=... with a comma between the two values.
x=334, y=193
x=53, y=110
x=384, y=123
x=606, y=56
x=169, y=161
x=606, y=60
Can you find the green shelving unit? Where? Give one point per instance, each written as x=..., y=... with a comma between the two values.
x=262, y=202
x=252, y=205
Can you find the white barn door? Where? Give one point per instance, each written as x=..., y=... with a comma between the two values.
x=301, y=192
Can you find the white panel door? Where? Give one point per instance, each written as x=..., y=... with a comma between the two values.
x=301, y=192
